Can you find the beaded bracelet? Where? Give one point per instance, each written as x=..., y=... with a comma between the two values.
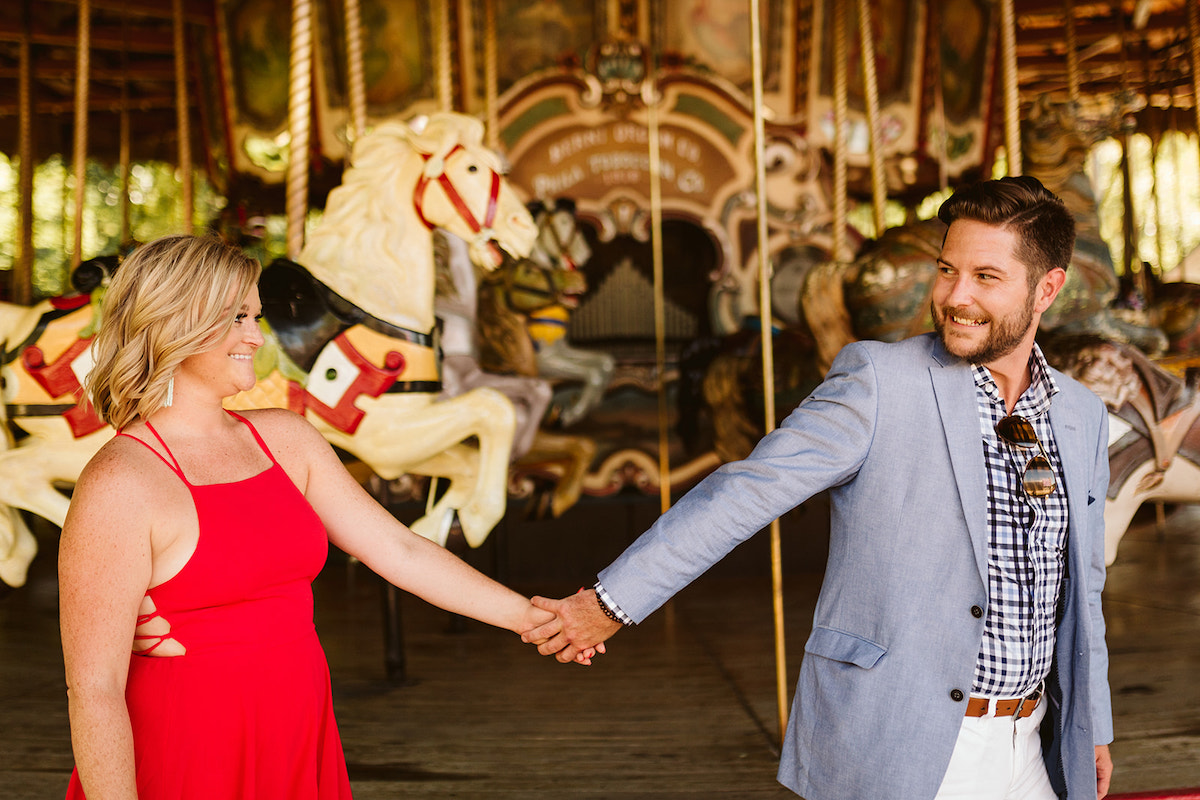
x=608, y=612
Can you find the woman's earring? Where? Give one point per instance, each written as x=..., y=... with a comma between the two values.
x=170, y=391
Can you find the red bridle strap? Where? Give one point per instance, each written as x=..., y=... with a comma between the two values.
x=456, y=199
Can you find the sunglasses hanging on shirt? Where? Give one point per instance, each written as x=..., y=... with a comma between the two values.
x=1037, y=478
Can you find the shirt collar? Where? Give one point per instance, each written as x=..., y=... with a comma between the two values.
x=1035, y=401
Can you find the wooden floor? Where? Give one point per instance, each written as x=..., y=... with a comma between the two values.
x=682, y=707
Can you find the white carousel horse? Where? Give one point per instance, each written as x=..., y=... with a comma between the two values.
x=349, y=346
x=542, y=291
x=566, y=457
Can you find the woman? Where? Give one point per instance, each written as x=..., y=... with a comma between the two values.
x=192, y=541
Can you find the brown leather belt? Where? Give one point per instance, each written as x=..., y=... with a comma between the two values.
x=1019, y=706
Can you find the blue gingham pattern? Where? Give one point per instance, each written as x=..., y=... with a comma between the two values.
x=1027, y=537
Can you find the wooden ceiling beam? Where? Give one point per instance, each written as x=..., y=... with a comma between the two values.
x=1173, y=23
x=102, y=38
x=195, y=12
x=157, y=102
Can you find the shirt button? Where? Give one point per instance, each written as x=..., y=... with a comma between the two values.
x=956, y=695
x=976, y=612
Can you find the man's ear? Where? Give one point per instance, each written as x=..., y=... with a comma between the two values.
x=1048, y=288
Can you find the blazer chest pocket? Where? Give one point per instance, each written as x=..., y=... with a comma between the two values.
x=845, y=647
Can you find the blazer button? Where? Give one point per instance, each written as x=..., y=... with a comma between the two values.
x=976, y=612
x=956, y=695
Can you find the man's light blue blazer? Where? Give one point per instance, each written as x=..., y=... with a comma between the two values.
x=894, y=433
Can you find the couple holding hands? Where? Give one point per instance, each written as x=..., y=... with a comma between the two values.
x=957, y=650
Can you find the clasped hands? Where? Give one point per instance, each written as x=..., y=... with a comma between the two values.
x=576, y=631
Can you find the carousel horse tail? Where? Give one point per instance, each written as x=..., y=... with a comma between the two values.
x=17, y=544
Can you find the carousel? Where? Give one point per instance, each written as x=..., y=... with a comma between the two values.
x=529, y=265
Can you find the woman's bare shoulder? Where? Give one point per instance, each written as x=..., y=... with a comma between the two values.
x=124, y=485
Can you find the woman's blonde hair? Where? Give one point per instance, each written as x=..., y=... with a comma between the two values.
x=168, y=300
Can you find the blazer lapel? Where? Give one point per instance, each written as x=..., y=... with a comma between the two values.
x=954, y=390
x=1073, y=452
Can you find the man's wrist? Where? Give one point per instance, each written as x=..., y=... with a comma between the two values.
x=610, y=607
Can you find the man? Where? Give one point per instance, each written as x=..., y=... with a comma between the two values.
x=960, y=612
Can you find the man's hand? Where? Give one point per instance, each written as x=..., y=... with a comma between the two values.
x=1104, y=770
x=538, y=618
x=579, y=624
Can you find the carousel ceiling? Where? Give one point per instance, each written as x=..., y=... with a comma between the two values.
x=233, y=77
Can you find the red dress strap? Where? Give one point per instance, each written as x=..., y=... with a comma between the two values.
x=173, y=464
x=254, y=431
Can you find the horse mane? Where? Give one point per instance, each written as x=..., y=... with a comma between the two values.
x=370, y=237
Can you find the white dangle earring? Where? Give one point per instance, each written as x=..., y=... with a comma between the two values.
x=170, y=391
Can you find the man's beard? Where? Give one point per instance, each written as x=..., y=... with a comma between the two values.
x=1004, y=334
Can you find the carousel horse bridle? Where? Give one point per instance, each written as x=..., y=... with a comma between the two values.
x=478, y=228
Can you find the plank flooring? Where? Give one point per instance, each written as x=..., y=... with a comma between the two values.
x=682, y=706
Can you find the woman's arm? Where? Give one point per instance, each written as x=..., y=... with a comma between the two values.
x=104, y=568
x=357, y=524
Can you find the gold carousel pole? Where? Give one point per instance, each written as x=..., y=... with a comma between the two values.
x=768, y=351
x=1072, y=51
x=82, y=70
x=1012, y=97
x=355, y=73
x=299, y=124
x=183, y=121
x=651, y=98
x=491, y=81
x=123, y=155
x=840, y=102
x=1193, y=23
x=22, y=274
x=871, y=92
x=445, y=84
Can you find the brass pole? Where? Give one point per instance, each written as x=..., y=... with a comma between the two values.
x=445, y=93
x=491, y=78
x=871, y=92
x=939, y=100
x=840, y=101
x=354, y=72
x=82, y=70
x=22, y=274
x=1193, y=23
x=1012, y=97
x=123, y=156
x=768, y=352
x=1072, y=51
x=299, y=123
x=183, y=121
x=660, y=326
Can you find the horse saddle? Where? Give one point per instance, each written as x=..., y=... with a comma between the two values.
x=305, y=314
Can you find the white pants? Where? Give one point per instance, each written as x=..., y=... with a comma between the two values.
x=998, y=758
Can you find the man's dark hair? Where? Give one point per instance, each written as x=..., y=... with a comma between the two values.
x=1044, y=227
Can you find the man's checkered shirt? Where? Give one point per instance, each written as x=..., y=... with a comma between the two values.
x=1027, y=538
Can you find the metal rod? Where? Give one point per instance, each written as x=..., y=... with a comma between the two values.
x=1012, y=97
x=183, y=119
x=840, y=101
x=871, y=93
x=22, y=274
x=768, y=351
x=660, y=331
x=82, y=63
x=299, y=119
x=354, y=72
x=445, y=80
x=1193, y=24
x=491, y=79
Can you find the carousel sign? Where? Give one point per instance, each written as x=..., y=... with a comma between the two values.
x=559, y=147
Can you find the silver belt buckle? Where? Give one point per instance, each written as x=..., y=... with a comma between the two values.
x=1032, y=699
